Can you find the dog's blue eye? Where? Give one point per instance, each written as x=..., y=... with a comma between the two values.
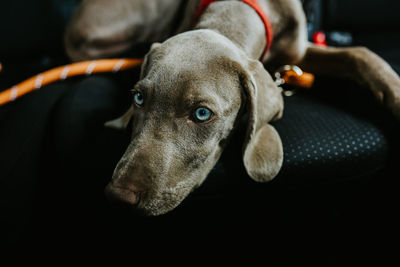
x=202, y=114
x=138, y=97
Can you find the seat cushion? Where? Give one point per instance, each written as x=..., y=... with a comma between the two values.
x=329, y=135
x=323, y=142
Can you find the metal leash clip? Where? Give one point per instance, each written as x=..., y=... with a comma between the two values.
x=293, y=76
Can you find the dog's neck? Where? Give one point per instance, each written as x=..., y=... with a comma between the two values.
x=239, y=22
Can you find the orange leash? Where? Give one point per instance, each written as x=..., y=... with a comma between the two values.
x=291, y=75
x=64, y=72
x=306, y=80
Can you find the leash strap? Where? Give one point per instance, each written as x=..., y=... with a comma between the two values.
x=254, y=4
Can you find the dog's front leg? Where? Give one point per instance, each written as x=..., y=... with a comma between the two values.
x=359, y=64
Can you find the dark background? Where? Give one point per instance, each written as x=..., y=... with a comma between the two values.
x=333, y=204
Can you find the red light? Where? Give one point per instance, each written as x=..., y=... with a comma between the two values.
x=319, y=38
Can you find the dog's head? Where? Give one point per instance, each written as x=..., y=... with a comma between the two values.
x=192, y=91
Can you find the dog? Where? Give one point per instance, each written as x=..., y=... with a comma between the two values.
x=204, y=71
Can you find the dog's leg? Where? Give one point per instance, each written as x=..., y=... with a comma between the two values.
x=103, y=28
x=359, y=64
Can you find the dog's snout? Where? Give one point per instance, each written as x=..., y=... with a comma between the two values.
x=116, y=193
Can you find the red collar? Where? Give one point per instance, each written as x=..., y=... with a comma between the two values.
x=254, y=4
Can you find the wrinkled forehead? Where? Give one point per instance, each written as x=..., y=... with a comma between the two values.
x=197, y=52
x=199, y=45
x=198, y=62
x=200, y=79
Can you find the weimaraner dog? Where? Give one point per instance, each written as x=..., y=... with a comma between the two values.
x=201, y=79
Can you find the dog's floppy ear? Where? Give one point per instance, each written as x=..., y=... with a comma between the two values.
x=122, y=122
x=147, y=59
x=263, y=153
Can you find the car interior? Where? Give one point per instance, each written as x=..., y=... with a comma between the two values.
x=333, y=202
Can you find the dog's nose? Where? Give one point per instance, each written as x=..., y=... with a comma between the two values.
x=116, y=193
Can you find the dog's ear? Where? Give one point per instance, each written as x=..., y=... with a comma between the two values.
x=122, y=122
x=263, y=153
x=147, y=59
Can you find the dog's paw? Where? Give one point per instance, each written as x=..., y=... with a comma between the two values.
x=388, y=93
x=392, y=98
